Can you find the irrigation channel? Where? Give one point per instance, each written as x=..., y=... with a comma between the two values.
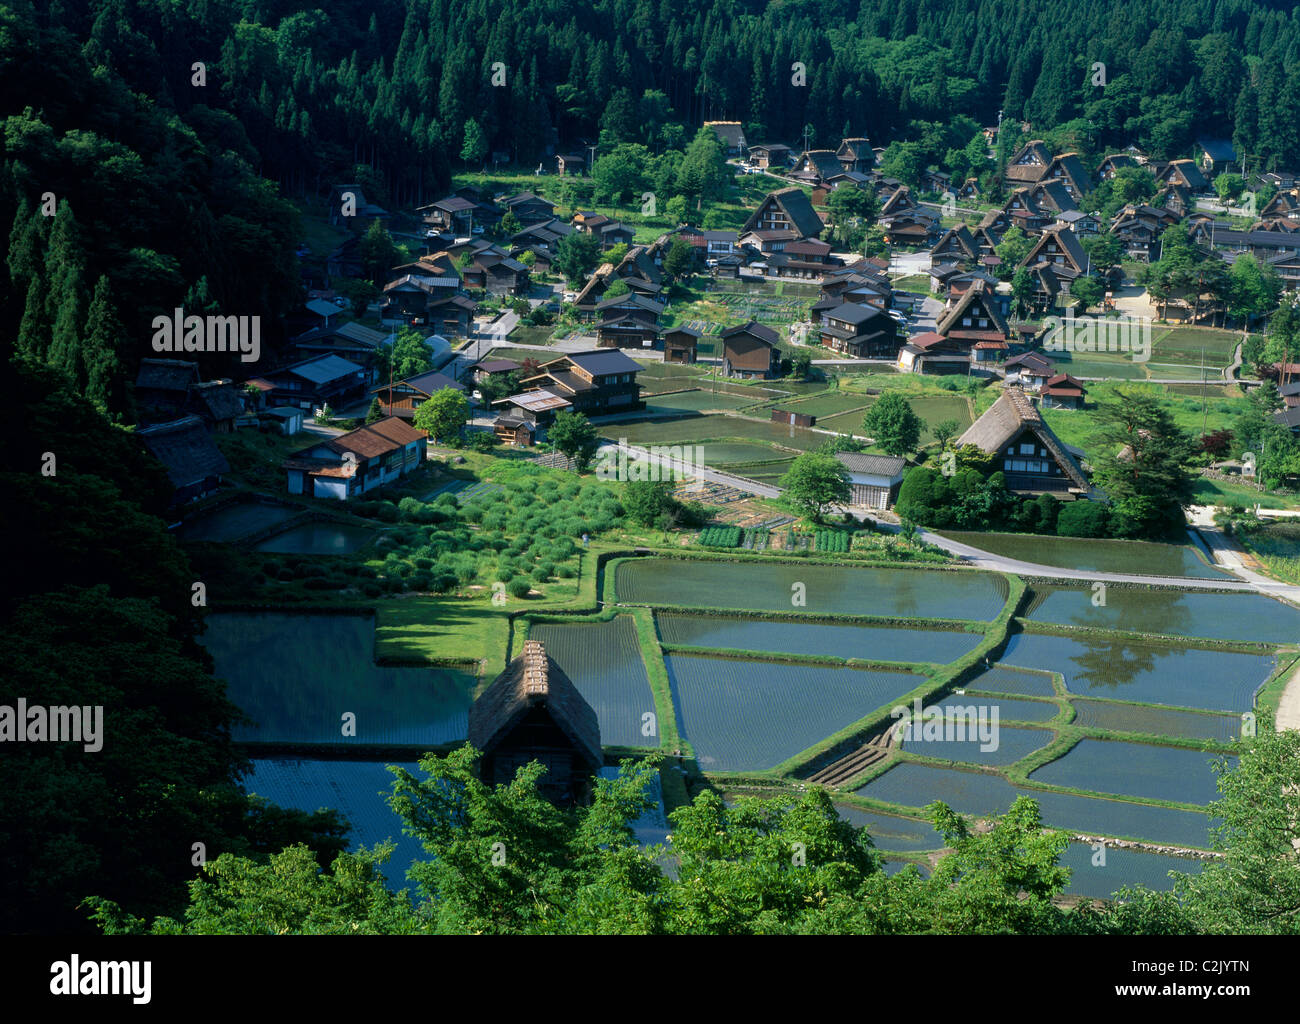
x=764, y=676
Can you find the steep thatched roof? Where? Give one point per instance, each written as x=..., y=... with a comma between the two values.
x=185, y=449
x=529, y=680
x=1006, y=418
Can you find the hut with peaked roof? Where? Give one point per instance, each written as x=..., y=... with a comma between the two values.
x=1029, y=454
x=533, y=712
x=193, y=462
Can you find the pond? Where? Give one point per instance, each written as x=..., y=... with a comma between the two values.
x=230, y=522
x=1134, y=769
x=1097, y=874
x=354, y=789
x=750, y=715
x=1122, y=556
x=1149, y=673
x=979, y=793
x=1167, y=610
x=297, y=675
x=604, y=661
x=318, y=539
x=828, y=589
x=874, y=643
x=1105, y=714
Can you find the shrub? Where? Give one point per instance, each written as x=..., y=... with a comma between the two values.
x=372, y=589
x=518, y=587
x=1083, y=519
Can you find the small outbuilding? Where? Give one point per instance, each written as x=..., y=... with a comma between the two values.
x=533, y=712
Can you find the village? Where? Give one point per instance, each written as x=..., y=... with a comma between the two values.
x=594, y=519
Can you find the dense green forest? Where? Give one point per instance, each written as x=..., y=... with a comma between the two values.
x=175, y=176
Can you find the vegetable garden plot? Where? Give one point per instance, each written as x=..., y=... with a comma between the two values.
x=1165, y=610
x=1000, y=679
x=297, y=675
x=750, y=715
x=604, y=661
x=890, y=832
x=1103, y=714
x=828, y=589
x=1124, y=556
x=875, y=643
x=1134, y=769
x=1122, y=868
x=976, y=793
x=354, y=789
x=1007, y=744
x=1148, y=673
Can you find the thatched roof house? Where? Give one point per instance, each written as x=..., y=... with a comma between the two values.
x=1024, y=447
x=533, y=712
x=193, y=462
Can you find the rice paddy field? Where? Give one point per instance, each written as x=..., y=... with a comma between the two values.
x=751, y=715
x=233, y=521
x=1099, y=874
x=1150, y=673
x=296, y=676
x=695, y=401
x=1104, y=714
x=829, y=589
x=1166, y=610
x=697, y=429
x=874, y=643
x=1121, y=556
x=931, y=409
x=318, y=539
x=1009, y=709
x=1000, y=679
x=892, y=833
x=1000, y=745
x=354, y=789
x=983, y=793
x=604, y=661
x=1134, y=769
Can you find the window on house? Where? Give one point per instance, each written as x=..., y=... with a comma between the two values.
x=1027, y=449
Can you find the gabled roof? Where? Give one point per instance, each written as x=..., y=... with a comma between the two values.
x=796, y=206
x=631, y=298
x=359, y=333
x=977, y=290
x=856, y=148
x=221, y=399
x=425, y=383
x=1033, y=362
x=322, y=369
x=322, y=308
x=823, y=161
x=1006, y=418
x=876, y=465
x=379, y=438
x=729, y=133
x=1054, y=195
x=533, y=679
x=601, y=362
x=1068, y=241
x=962, y=236
x=852, y=313
x=185, y=449
x=167, y=375
x=760, y=331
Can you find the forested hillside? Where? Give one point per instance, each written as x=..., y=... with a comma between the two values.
x=164, y=183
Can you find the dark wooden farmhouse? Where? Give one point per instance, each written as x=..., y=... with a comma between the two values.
x=750, y=350
x=533, y=712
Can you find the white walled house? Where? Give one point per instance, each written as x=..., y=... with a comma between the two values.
x=352, y=464
x=873, y=479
